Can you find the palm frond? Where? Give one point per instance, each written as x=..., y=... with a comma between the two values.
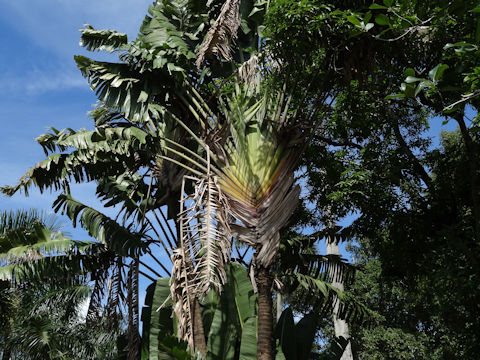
x=204, y=229
x=133, y=335
x=112, y=147
x=327, y=297
x=181, y=294
x=222, y=33
x=120, y=87
x=98, y=40
x=50, y=266
x=123, y=240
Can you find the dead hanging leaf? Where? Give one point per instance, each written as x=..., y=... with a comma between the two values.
x=247, y=72
x=205, y=231
x=181, y=294
x=223, y=32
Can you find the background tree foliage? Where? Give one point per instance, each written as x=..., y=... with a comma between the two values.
x=398, y=70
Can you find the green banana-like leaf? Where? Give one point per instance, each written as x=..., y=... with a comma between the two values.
x=120, y=87
x=118, y=150
x=237, y=306
x=156, y=317
x=245, y=298
x=115, y=237
x=225, y=329
x=285, y=333
x=248, y=345
x=296, y=340
x=230, y=320
x=98, y=40
x=209, y=305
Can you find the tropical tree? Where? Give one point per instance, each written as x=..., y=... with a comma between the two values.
x=166, y=130
x=46, y=278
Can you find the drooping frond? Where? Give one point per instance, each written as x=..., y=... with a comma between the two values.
x=79, y=264
x=114, y=148
x=327, y=296
x=25, y=241
x=20, y=245
x=121, y=87
x=223, y=32
x=133, y=336
x=181, y=294
x=167, y=37
x=247, y=73
x=123, y=240
x=205, y=231
x=104, y=115
x=98, y=40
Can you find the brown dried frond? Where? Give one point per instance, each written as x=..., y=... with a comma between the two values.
x=221, y=34
x=247, y=72
x=206, y=233
x=181, y=295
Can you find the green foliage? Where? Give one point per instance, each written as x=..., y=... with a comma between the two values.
x=231, y=321
x=40, y=309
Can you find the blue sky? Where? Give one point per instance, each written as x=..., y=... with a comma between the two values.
x=40, y=85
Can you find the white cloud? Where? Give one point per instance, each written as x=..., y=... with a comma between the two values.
x=41, y=80
x=54, y=24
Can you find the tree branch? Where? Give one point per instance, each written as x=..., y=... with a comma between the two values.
x=416, y=163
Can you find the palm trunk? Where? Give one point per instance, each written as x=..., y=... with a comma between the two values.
x=198, y=331
x=133, y=336
x=340, y=325
x=7, y=353
x=265, y=343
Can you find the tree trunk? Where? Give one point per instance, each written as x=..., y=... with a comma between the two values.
x=340, y=325
x=265, y=343
x=198, y=331
x=7, y=353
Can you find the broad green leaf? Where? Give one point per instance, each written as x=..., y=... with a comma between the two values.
x=245, y=298
x=412, y=79
x=157, y=322
x=354, y=20
x=248, y=345
x=382, y=19
x=388, y=3
x=209, y=305
x=225, y=330
x=377, y=7
x=285, y=332
x=305, y=332
x=437, y=72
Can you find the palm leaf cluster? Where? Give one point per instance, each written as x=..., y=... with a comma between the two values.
x=46, y=279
